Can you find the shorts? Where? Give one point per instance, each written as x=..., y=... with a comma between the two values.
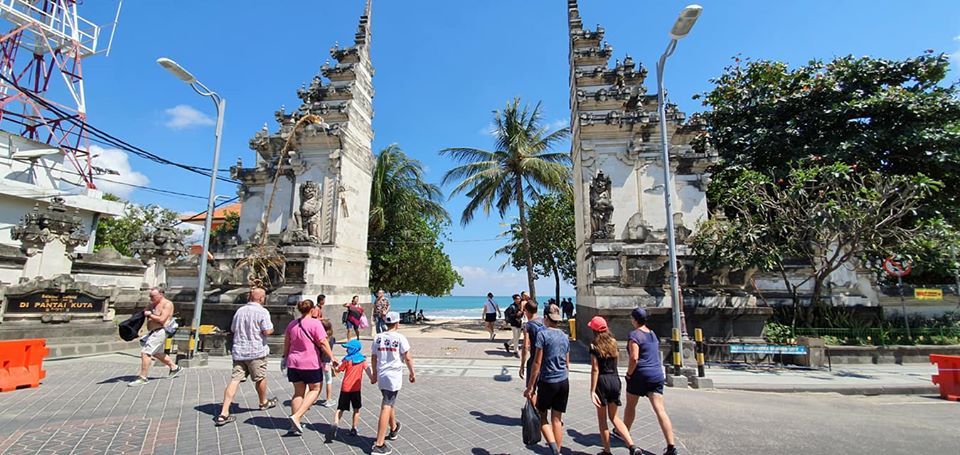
x=389, y=397
x=490, y=317
x=152, y=343
x=642, y=387
x=553, y=396
x=255, y=368
x=327, y=373
x=608, y=389
x=305, y=376
x=351, y=325
x=348, y=399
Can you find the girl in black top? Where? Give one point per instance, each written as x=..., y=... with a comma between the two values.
x=605, y=384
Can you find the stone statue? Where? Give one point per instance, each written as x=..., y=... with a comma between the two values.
x=601, y=207
x=637, y=229
x=308, y=217
x=681, y=232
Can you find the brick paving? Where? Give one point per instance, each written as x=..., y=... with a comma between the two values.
x=459, y=405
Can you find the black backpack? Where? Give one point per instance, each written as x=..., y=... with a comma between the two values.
x=511, y=315
x=130, y=328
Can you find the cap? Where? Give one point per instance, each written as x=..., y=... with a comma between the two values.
x=598, y=324
x=553, y=312
x=639, y=314
x=392, y=317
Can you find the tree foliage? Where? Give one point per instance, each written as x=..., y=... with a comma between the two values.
x=895, y=117
x=406, y=227
x=552, y=240
x=812, y=221
x=120, y=232
x=521, y=166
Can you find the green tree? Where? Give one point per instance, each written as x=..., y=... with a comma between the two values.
x=552, y=240
x=406, y=228
x=520, y=167
x=895, y=117
x=811, y=222
x=120, y=232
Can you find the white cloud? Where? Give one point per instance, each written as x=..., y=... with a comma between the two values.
x=557, y=124
x=489, y=130
x=118, y=161
x=195, y=231
x=184, y=116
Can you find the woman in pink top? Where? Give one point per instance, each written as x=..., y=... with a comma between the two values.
x=302, y=343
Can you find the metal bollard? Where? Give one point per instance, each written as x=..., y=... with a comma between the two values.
x=677, y=351
x=698, y=338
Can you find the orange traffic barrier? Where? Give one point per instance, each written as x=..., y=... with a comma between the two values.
x=948, y=377
x=21, y=363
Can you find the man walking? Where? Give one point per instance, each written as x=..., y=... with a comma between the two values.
x=380, y=309
x=490, y=314
x=390, y=350
x=532, y=327
x=549, y=378
x=251, y=326
x=159, y=314
x=514, y=317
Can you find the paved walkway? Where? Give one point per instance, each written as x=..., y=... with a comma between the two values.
x=457, y=406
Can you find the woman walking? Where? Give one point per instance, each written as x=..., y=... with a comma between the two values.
x=304, y=342
x=354, y=313
x=605, y=384
x=645, y=377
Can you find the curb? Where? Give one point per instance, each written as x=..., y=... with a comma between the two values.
x=871, y=390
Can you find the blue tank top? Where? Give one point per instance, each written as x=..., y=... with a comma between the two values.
x=649, y=366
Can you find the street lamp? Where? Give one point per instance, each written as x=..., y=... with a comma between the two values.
x=220, y=104
x=680, y=29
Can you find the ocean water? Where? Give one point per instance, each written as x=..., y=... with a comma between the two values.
x=450, y=307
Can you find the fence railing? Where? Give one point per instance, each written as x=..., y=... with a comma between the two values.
x=881, y=336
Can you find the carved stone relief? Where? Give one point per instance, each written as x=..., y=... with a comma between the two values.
x=601, y=207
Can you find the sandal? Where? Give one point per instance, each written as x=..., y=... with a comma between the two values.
x=270, y=404
x=222, y=420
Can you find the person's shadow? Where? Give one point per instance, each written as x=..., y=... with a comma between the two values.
x=126, y=378
x=496, y=419
x=211, y=409
x=269, y=423
x=343, y=435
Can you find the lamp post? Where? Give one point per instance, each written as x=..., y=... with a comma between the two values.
x=680, y=29
x=220, y=104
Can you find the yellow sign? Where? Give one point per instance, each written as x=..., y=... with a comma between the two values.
x=928, y=294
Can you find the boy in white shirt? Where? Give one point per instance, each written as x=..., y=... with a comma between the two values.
x=390, y=350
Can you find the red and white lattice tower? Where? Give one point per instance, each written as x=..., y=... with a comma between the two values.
x=41, y=80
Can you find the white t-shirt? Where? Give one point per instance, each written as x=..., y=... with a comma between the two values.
x=489, y=307
x=389, y=348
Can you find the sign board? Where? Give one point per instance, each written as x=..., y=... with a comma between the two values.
x=54, y=302
x=928, y=294
x=896, y=268
x=767, y=349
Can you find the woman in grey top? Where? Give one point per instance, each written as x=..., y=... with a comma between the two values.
x=645, y=376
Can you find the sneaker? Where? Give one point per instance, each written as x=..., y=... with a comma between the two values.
x=137, y=382
x=353, y=432
x=174, y=372
x=322, y=403
x=330, y=404
x=392, y=436
x=295, y=428
x=506, y=346
x=381, y=450
x=670, y=451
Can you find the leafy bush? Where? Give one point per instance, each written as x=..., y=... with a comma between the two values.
x=778, y=333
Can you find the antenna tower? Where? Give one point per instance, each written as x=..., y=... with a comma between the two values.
x=41, y=76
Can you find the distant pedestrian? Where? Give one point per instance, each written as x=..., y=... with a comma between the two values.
x=353, y=314
x=251, y=326
x=645, y=376
x=490, y=314
x=550, y=374
x=514, y=317
x=380, y=309
x=159, y=316
x=353, y=365
x=390, y=350
x=326, y=363
x=304, y=345
x=318, y=310
x=605, y=384
x=531, y=328
x=567, y=306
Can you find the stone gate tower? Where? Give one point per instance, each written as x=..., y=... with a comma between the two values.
x=618, y=183
x=320, y=210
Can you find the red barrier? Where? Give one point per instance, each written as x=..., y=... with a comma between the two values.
x=21, y=363
x=948, y=377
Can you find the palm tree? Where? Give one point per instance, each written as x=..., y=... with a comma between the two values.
x=520, y=167
x=399, y=190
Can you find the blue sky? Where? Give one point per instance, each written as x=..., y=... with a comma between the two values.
x=441, y=67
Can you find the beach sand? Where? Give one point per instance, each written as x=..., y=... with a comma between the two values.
x=446, y=328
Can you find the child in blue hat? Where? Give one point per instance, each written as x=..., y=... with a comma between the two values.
x=354, y=364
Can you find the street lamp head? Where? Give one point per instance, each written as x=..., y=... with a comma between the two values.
x=176, y=70
x=685, y=21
